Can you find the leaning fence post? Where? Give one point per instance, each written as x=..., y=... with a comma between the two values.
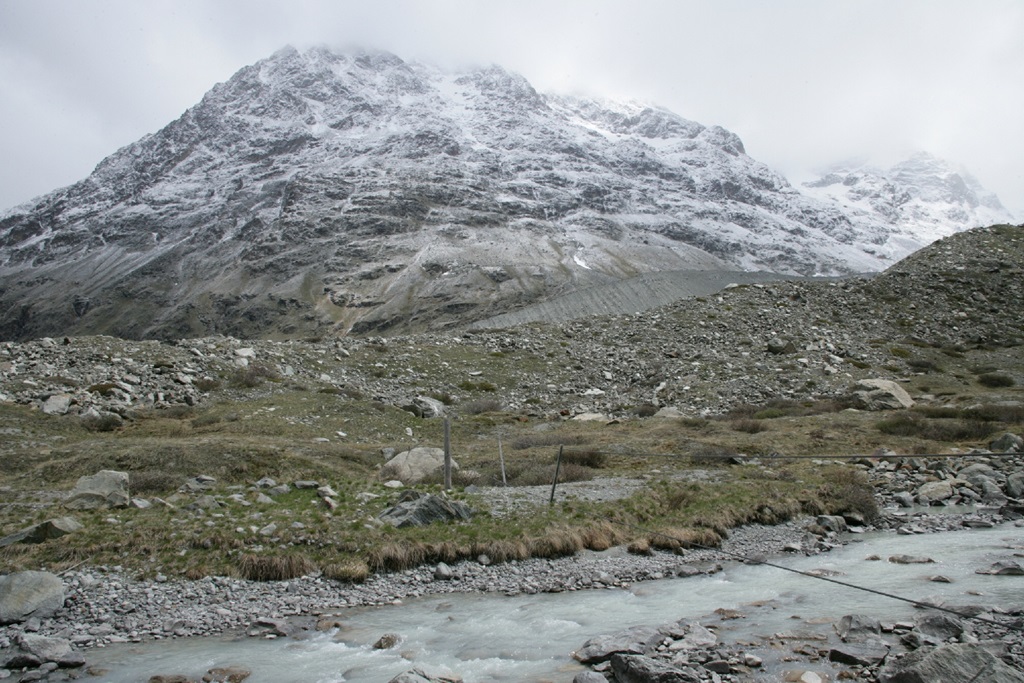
x=558, y=465
x=501, y=459
x=447, y=455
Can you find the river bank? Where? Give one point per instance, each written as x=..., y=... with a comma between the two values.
x=106, y=607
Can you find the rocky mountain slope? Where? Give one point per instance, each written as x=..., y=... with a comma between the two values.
x=318, y=193
x=943, y=316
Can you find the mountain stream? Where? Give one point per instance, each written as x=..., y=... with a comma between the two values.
x=492, y=637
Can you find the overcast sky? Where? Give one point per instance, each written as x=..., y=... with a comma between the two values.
x=804, y=83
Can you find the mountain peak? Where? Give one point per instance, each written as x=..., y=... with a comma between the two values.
x=321, y=191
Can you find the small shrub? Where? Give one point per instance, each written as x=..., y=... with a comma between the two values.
x=647, y=410
x=847, y=490
x=899, y=352
x=477, y=386
x=482, y=405
x=749, y=426
x=594, y=459
x=206, y=384
x=152, y=481
x=548, y=439
x=206, y=420
x=706, y=454
x=105, y=422
x=923, y=365
x=995, y=380
x=252, y=376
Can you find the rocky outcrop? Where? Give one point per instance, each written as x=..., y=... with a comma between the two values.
x=29, y=594
x=418, y=509
x=954, y=662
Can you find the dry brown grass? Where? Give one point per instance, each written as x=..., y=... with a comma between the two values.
x=274, y=567
x=353, y=571
x=675, y=538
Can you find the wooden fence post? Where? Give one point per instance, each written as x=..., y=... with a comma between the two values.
x=558, y=466
x=501, y=459
x=447, y=455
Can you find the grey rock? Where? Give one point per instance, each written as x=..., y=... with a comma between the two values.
x=589, y=677
x=642, y=669
x=857, y=627
x=1003, y=568
x=422, y=674
x=416, y=509
x=58, y=404
x=306, y=484
x=44, y=531
x=910, y=559
x=866, y=653
x=1015, y=485
x=425, y=407
x=387, y=641
x=833, y=523
x=29, y=594
x=904, y=499
x=1007, y=443
x=46, y=649
x=880, y=394
x=934, y=492
x=414, y=465
x=635, y=640
x=107, y=488
x=939, y=626
x=954, y=662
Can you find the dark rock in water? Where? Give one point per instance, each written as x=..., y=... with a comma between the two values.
x=1003, y=568
x=939, y=626
x=387, y=641
x=226, y=674
x=955, y=662
x=856, y=627
x=423, y=675
x=635, y=640
x=29, y=594
x=869, y=653
x=910, y=559
x=643, y=669
x=423, y=510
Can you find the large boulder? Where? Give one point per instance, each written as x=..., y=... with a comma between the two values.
x=880, y=394
x=418, y=509
x=29, y=594
x=415, y=465
x=954, y=662
x=934, y=492
x=636, y=640
x=106, y=488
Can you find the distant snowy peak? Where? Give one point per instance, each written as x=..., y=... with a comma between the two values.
x=927, y=197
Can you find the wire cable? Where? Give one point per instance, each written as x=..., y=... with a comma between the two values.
x=847, y=584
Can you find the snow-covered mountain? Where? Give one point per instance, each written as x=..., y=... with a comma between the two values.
x=317, y=192
x=928, y=198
